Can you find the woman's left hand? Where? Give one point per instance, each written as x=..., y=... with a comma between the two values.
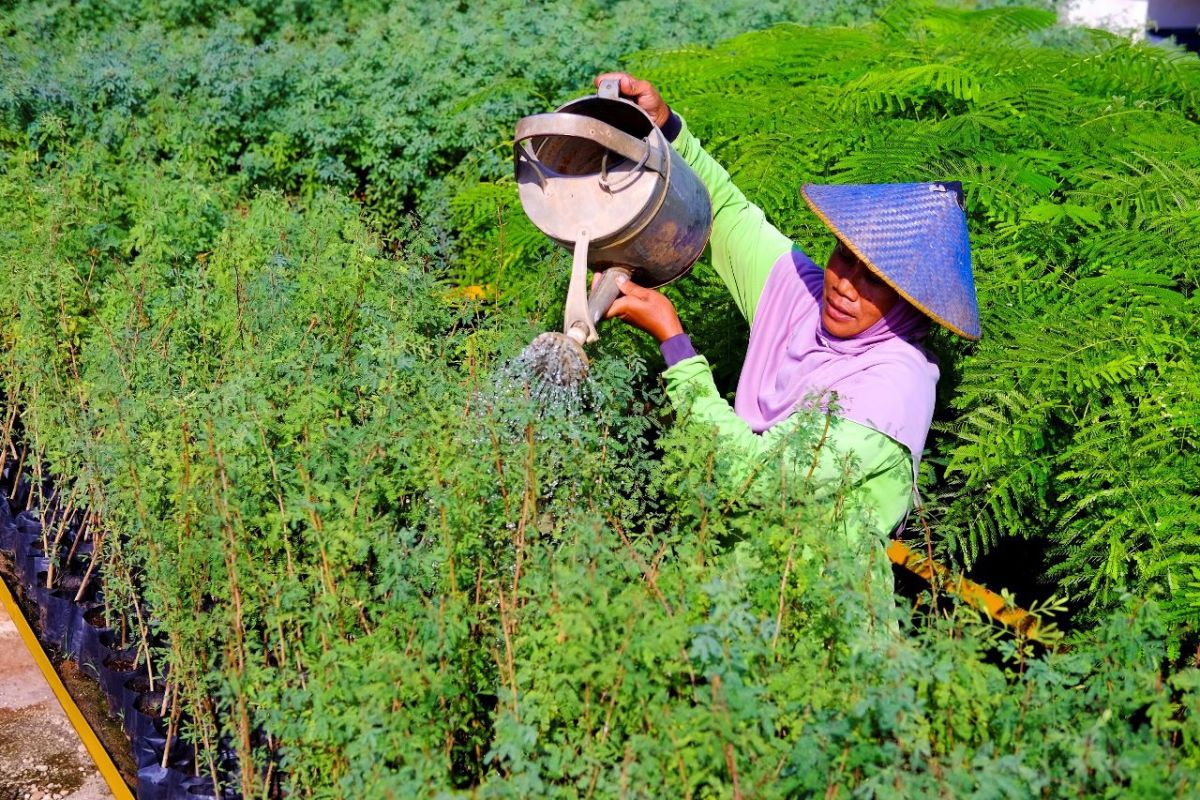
x=646, y=309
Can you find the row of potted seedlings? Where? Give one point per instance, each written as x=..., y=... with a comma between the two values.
x=53, y=546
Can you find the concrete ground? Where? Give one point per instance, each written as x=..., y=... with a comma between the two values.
x=41, y=756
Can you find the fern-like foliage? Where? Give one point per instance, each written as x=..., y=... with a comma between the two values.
x=1075, y=419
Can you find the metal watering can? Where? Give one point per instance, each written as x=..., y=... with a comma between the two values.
x=599, y=178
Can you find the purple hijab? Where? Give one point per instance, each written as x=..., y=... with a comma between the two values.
x=883, y=378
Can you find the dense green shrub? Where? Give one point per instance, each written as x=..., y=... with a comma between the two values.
x=381, y=569
x=381, y=102
x=397, y=576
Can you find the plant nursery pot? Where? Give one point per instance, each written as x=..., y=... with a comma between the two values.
x=20, y=549
x=114, y=672
x=147, y=750
x=110, y=645
x=23, y=545
x=140, y=706
x=30, y=568
x=91, y=650
x=76, y=627
x=185, y=763
x=59, y=618
x=202, y=789
x=8, y=538
x=8, y=527
x=181, y=751
x=156, y=783
x=149, y=706
x=41, y=594
x=135, y=722
x=28, y=522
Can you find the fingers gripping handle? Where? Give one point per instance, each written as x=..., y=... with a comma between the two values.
x=605, y=293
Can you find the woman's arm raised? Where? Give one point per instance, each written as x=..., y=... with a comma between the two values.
x=744, y=245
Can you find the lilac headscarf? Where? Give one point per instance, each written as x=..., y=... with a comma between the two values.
x=883, y=378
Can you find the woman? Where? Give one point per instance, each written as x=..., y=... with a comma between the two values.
x=849, y=335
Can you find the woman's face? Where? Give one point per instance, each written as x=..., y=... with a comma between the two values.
x=855, y=298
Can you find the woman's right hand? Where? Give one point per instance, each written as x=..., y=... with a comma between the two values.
x=641, y=92
x=646, y=309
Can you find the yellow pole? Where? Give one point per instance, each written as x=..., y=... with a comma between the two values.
x=971, y=592
x=104, y=763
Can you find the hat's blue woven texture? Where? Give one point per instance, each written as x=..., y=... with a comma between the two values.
x=914, y=235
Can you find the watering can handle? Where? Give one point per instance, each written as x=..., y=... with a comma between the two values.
x=581, y=127
x=605, y=293
x=610, y=89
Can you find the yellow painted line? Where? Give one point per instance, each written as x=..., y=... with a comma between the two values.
x=104, y=763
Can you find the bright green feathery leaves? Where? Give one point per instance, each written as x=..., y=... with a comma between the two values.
x=1075, y=419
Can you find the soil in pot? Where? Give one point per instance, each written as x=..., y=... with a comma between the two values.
x=85, y=548
x=124, y=661
x=150, y=703
x=138, y=683
x=70, y=582
x=78, y=565
x=94, y=616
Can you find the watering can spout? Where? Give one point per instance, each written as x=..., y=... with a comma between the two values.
x=583, y=312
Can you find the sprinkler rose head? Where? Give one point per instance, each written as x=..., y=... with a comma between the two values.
x=557, y=359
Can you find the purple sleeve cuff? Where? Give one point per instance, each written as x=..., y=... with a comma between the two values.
x=672, y=127
x=676, y=349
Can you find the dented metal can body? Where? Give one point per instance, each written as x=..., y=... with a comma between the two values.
x=597, y=170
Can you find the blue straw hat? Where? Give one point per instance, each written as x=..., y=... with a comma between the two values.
x=914, y=236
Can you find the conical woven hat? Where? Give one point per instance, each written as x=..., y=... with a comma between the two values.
x=914, y=236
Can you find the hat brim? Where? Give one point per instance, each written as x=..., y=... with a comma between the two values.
x=846, y=240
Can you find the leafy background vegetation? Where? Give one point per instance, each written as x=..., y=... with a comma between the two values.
x=375, y=567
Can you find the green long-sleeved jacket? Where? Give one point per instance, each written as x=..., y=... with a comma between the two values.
x=744, y=248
